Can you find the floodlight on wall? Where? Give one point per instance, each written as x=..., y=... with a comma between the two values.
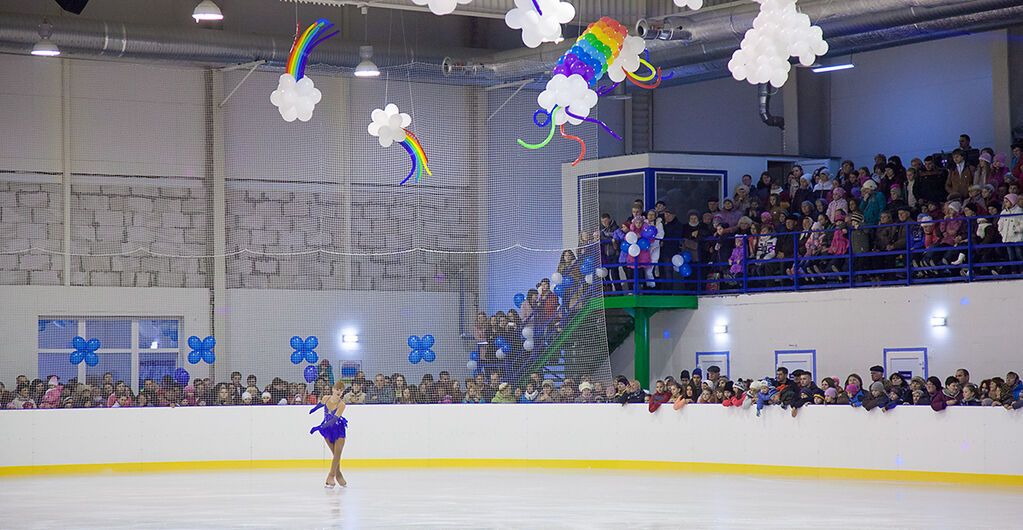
x=207, y=10
x=366, y=68
x=44, y=47
x=720, y=329
x=349, y=338
x=939, y=322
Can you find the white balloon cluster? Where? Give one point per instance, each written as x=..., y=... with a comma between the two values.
x=778, y=32
x=570, y=93
x=389, y=125
x=538, y=28
x=691, y=4
x=627, y=60
x=527, y=334
x=295, y=99
x=441, y=7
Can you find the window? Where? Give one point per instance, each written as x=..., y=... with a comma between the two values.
x=683, y=191
x=131, y=349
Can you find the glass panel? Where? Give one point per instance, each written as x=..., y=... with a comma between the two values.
x=617, y=193
x=56, y=364
x=112, y=334
x=56, y=334
x=155, y=334
x=118, y=364
x=156, y=365
x=682, y=192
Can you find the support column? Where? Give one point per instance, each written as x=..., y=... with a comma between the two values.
x=641, y=337
x=217, y=201
x=1001, y=96
x=790, y=111
x=65, y=112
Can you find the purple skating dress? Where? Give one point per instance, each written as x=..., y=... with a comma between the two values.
x=332, y=427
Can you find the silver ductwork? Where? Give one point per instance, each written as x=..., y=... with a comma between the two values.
x=665, y=28
x=764, y=99
x=84, y=37
x=715, y=33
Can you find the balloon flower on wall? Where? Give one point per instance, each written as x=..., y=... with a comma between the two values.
x=603, y=49
x=85, y=350
x=305, y=350
x=296, y=96
x=421, y=349
x=539, y=20
x=441, y=7
x=389, y=126
x=310, y=373
x=778, y=32
x=202, y=349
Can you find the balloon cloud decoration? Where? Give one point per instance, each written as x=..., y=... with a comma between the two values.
x=389, y=126
x=296, y=96
x=421, y=349
x=539, y=20
x=85, y=350
x=304, y=349
x=441, y=7
x=691, y=4
x=779, y=31
x=202, y=349
x=603, y=49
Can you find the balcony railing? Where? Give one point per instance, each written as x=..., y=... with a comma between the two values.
x=910, y=262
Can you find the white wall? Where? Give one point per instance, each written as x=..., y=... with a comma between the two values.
x=719, y=116
x=261, y=322
x=958, y=440
x=915, y=100
x=849, y=328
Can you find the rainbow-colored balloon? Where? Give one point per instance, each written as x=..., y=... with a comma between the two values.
x=304, y=44
x=594, y=50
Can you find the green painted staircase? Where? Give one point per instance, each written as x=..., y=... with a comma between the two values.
x=622, y=315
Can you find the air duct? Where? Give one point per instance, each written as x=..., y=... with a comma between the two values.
x=764, y=96
x=83, y=37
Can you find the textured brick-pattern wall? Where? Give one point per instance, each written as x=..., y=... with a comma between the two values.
x=170, y=221
x=31, y=217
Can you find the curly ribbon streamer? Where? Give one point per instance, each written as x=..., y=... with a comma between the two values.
x=607, y=89
x=582, y=144
x=415, y=166
x=536, y=4
x=653, y=72
x=541, y=112
x=550, y=135
x=596, y=121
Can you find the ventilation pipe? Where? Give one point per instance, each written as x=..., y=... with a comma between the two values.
x=667, y=28
x=764, y=96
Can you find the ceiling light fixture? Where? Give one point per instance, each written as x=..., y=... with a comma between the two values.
x=45, y=47
x=366, y=68
x=834, y=64
x=207, y=10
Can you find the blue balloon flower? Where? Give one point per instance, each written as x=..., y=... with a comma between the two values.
x=85, y=350
x=304, y=349
x=202, y=349
x=421, y=348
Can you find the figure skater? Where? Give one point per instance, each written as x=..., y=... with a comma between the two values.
x=332, y=428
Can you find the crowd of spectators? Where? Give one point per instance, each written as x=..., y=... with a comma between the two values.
x=930, y=211
x=790, y=391
x=798, y=389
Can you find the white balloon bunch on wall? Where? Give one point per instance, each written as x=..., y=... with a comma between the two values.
x=440, y=7
x=691, y=4
x=570, y=93
x=539, y=26
x=778, y=32
x=295, y=99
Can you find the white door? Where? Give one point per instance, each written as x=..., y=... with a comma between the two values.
x=796, y=360
x=705, y=360
x=909, y=362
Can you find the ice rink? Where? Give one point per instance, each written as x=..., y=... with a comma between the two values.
x=493, y=499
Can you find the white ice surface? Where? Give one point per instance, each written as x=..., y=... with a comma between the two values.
x=493, y=499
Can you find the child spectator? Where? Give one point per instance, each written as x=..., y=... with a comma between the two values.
x=504, y=394
x=877, y=397
x=971, y=397
x=357, y=396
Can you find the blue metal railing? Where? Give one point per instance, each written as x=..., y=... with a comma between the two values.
x=913, y=262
